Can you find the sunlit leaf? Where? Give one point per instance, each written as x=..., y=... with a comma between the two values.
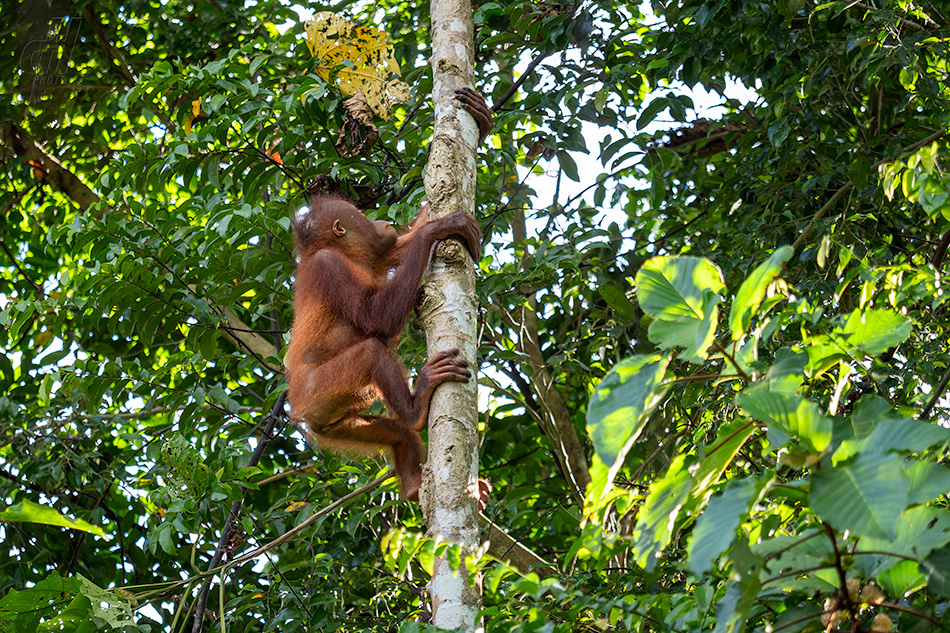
x=27, y=511
x=867, y=497
x=681, y=294
x=875, y=331
x=788, y=416
x=753, y=290
x=903, y=578
x=620, y=408
x=656, y=519
x=716, y=528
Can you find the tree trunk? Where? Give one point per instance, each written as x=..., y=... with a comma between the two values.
x=447, y=312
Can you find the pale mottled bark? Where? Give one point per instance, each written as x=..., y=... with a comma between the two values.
x=447, y=312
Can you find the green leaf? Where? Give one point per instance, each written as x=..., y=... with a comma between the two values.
x=658, y=515
x=787, y=416
x=753, y=290
x=694, y=335
x=936, y=569
x=27, y=511
x=904, y=578
x=106, y=605
x=933, y=197
x=778, y=132
x=874, y=331
x=675, y=287
x=568, y=165
x=649, y=113
x=869, y=332
x=25, y=608
x=921, y=530
x=681, y=293
x=800, y=619
x=804, y=550
x=164, y=533
x=823, y=354
x=866, y=498
x=903, y=435
x=718, y=456
x=618, y=301
x=75, y=618
x=860, y=168
x=785, y=374
x=737, y=603
x=716, y=528
x=927, y=480
x=620, y=408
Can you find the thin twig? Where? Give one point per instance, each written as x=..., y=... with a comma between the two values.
x=310, y=520
x=524, y=76
x=938, y=392
x=941, y=251
x=287, y=473
x=913, y=147
x=919, y=614
x=39, y=291
x=839, y=568
x=272, y=418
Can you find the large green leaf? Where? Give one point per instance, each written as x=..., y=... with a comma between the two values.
x=619, y=409
x=694, y=335
x=27, y=511
x=920, y=531
x=787, y=416
x=22, y=610
x=752, y=291
x=807, y=549
x=904, y=578
x=716, y=528
x=867, y=497
x=865, y=332
x=874, y=331
x=927, y=480
x=674, y=287
x=936, y=569
x=681, y=294
x=823, y=354
x=785, y=374
x=75, y=618
x=893, y=434
x=657, y=518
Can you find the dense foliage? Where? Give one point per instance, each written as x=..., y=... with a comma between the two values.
x=714, y=350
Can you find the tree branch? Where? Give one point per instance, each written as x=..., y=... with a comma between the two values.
x=61, y=178
x=275, y=414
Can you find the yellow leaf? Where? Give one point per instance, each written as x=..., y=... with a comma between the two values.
x=297, y=505
x=363, y=57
